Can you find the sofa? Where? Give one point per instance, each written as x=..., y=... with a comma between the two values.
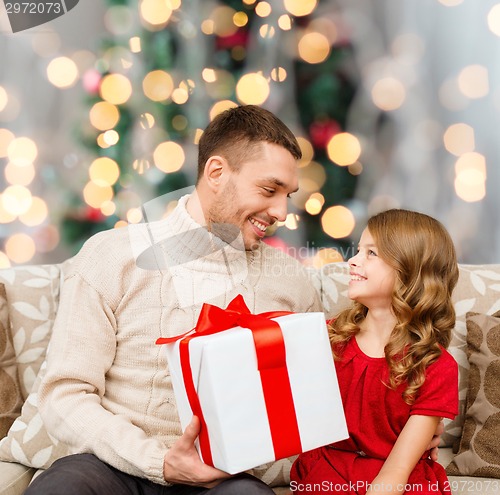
x=470, y=446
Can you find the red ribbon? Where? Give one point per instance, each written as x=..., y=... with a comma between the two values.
x=271, y=361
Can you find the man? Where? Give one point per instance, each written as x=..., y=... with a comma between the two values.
x=107, y=392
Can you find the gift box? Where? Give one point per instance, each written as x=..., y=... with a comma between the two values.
x=264, y=386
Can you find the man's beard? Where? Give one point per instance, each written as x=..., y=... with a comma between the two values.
x=222, y=221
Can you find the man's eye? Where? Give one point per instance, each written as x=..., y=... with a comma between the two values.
x=268, y=190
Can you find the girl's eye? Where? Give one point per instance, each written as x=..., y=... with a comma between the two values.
x=372, y=253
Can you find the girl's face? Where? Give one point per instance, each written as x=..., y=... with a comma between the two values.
x=372, y=279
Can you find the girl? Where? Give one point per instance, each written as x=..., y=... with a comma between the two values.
x=395, y=376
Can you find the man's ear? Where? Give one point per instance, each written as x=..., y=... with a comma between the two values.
x=215, y=172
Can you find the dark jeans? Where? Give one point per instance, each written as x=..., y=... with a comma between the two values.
x=85, y=474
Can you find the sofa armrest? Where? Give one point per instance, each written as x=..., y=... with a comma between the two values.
x=14, y=478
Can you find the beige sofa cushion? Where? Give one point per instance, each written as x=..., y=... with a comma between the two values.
x=479, y=453
x=10, y=392
x=33, y=297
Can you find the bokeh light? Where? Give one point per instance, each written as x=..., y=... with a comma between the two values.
x=338, y=222
x=5, y=216
x=158, y=85
x=169, y=156
x=252, y=89
x=104, y=171
x=104, y=116
x=4, y=98
x=95, y=195
x=315, y=203
x=388, y=94
x=22, y=151
x=20, y=248
x=62, y=72
x=36, y=214
x=6, y=137
x=155, y=12
x=470, y=177
x=494, y=19
x=314, y=47
x=222, y=21
x=263, y=9
x=4, y=260
x=344, y=149
x=17, y=199
x=300, y=8
x=459, y=139
x=473, y=81
x=21, y=176
x=115, y=89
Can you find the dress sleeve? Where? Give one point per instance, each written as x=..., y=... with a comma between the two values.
x=438, y=396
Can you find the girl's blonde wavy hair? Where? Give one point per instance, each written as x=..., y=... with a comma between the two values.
x=422, y=254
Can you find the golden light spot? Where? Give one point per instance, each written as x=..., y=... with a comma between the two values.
x=36, y=214
x=338, y=222
x=209, y=75
x=473, y=81
x=104, y=171
x=46, y=238
x=111, y=137
x=104, y=116
x=4, y=98
x=494, y=19
x=208, y=26
x=155, y=12
x=223, y=24
x=300, y=8
x=307, y=151
x=469, y=192
x=22, y=151
x=95, y=195
x=158, y=85
x=314, y=47
x=179, y=122
x=470, y=178
x=197, y=136
x=315, y=203
x=278, y=74
x=252, y=89
x=4, y=260
x=108, y=208
x=180, y=96
x=285, y=22
x=5, y=216
x=134, y=215
x=263, y=9
x=169, y=156
x=343, y=149
x=20, y=248
x=240, y=19
x=221, y=106
x=6, y=137
x=120, y=224
x=459, y=139
x=22, y=176
x=146, y=120
x=115, y=89
x=135, y=44
x=388, y=94
x=17, y=200
x=62, y=72
x=292, y=221
x=267, y=31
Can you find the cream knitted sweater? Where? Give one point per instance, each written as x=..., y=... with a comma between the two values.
x=107, y=389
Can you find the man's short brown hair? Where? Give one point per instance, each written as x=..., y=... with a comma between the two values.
x=236, y=134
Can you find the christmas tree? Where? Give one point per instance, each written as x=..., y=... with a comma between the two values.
x=166, y=67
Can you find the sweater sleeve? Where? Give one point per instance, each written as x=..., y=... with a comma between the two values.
x=81, y=351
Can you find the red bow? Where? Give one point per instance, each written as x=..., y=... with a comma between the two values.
x=271, y=361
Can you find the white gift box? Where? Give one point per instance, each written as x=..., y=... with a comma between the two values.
x=229, y=388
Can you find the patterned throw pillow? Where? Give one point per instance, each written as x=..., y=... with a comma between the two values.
x=478, y=290
x=28, y=442
x=479, y=453
x=10, y=393
x=33, y=298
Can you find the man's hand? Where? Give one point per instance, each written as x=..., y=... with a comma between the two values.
x=436, y=439
x=182, y=464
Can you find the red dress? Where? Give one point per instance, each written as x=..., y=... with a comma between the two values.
x=375, y=416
